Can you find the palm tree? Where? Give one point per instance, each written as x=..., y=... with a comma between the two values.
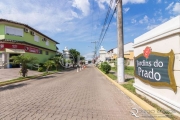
x=24, y=61
x=49, y=64
x=56, y=61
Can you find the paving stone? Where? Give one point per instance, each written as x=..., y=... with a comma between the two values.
x=86, y=95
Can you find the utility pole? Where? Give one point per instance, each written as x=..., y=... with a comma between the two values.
x=94, y=49
x=120, y=59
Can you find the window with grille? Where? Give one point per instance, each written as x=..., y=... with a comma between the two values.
x=47, y=53
x=40, y=52
x=47, y=43
x=14, y=31
x=36, y=38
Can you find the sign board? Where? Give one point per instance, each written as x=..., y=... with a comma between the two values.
x=20, y=47
x=155, y=68
x=15, y=50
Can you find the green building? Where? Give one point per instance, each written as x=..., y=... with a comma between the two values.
x=17, y=38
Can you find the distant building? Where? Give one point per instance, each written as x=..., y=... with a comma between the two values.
x=102, y=54
x=112, y=54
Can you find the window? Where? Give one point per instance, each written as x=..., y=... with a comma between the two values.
x=36, y=38
x=40, y=52
x=13, y=31
x=47, y=42
x=47, y=53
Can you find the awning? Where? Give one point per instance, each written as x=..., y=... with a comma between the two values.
x=15, y=50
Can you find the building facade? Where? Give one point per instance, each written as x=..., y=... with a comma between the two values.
x=17, y=38
x=128, y=53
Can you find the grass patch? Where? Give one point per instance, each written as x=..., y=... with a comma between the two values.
x=114, y=69
x=112, y=76
x=129, y=86
x=129, y=70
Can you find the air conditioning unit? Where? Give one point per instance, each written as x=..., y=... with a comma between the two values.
x=32, y=33
x=26, y=30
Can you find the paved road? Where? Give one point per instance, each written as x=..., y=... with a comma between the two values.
x=86, y=95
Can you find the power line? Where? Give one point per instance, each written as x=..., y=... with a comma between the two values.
x=106, y=18
x=92, y=19
x=100, y=40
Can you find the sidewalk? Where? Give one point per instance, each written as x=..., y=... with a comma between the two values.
x=13, y=73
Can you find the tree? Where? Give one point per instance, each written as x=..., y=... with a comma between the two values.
x=49, y=64
x=24, y=61
x=82, y=58
x=75, y=54
x=56, y=60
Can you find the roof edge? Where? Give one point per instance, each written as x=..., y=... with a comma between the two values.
x=10, y=21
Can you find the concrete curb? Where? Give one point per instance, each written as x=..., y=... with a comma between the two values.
x=156, y=114
x=8, y=82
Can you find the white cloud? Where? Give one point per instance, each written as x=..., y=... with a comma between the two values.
x=169, y=6
x=126, y=10
x=176, y=8
x=74, y=14
x=133, y=1
x=144, y=20
x=162, y=20
x=149, y=27
x=158, y=12
x=47, y=17
x=82, y=5
x=133, y=21
x=158, y=1
x=88, y=56
x=101, y=3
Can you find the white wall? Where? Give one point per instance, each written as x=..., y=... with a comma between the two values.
x=163, y=39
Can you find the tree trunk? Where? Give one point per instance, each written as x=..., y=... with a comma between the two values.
x=47, y=69
x=24, y=71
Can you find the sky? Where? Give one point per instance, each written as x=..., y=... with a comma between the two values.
x=77, y=23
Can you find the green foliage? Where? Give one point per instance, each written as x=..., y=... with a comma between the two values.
x=56, y=60
x=82, y=58
x=105, y=67
x=75, y=54
x=129, y=70
x=24, y=61
x=130, y=87
x=48, y=64
x=112, y=76
x=40, y=69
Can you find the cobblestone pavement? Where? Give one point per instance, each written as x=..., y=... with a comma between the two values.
x=12, y=73
x=85, y=95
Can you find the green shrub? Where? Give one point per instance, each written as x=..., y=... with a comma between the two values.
x=40, y=69
x=41, y=64
x=105, y=67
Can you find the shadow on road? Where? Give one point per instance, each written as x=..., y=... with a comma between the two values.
x=9, y=87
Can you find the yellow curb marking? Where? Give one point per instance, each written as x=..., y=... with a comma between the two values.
x=156, y=114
